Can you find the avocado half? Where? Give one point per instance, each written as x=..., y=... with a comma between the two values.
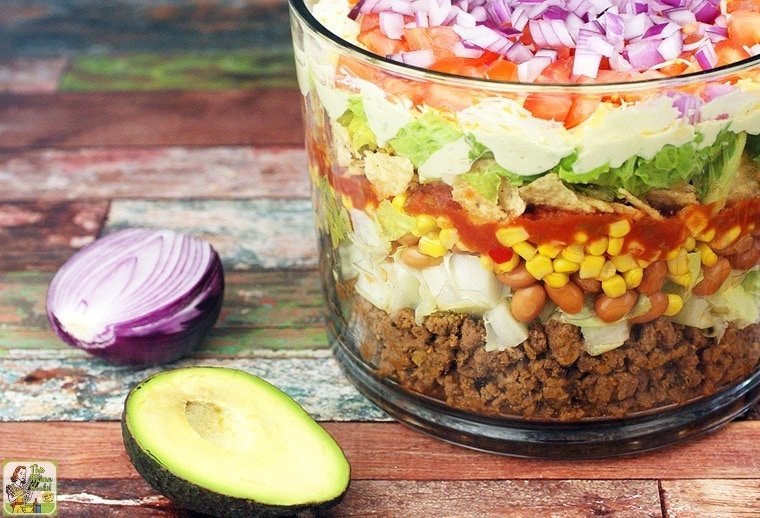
x=223, y=442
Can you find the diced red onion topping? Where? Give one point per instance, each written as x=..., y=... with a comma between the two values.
x=415, y=58
x=706, y=56
x=634, y=35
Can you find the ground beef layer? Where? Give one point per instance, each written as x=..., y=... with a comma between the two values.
x=549, y=375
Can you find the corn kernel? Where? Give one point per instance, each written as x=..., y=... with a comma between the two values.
x=678, y=265
x=510, y=236
x=682, y=280
x=399, y=201
x=706, y=254
x=727, y=237
x=615, y=245
x=619, y=228
x=614, y=286
x=675, y=303
x=574, y=253
x=632, y=246
x=549, y=250
x=507, y=266
x=487, y=263
x=423, y=225
x=580, y=238
x=556, y=279
x=608, y=270
x=643, y=263
x=633, y=277
x=591, y=266
x=706, y=236
x=672, y=254
x=689, y=244
x=597, y=246
x=448, y=237
x=431, y=246
x=624, y=262
x=562, y=265
x=539, y=266
x=524, y=249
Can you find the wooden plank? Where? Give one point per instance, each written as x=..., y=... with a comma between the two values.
x=262, y=117
x=39, y=388
x=258, y=233
x=390, y=451
x=223, y=343
x=499, y=498
x=266, y=67
x=450, y=498
x=98, y=497
x=269, y=299
x=31, y=75
x=248, y=234
x=711, y=497
x=155, y=172
x=41, y=235
x=51, y=27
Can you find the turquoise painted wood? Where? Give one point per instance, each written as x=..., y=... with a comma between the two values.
x=248, y=234
x=83, y=389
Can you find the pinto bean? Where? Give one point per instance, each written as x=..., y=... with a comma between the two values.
x=659, y=301
x=587, y=285
x=612, y=309
x=408, y=239
x=517, y=277
x=653, y=277
x=739, y=246
x=528, y=302
x=419, y=261
x=569, y=297
x=748, y=259
x=714, y=276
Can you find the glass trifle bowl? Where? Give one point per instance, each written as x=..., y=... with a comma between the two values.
x=536, y=240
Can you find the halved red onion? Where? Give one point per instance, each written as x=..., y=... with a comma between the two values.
x=137, y=296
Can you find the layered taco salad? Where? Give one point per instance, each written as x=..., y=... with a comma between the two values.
x=544, y=209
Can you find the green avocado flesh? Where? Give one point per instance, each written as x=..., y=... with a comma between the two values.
x=227, y=443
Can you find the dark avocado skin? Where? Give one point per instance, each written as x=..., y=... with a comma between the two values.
x=190, y=496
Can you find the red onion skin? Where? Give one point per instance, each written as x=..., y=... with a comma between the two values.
x=136, y=349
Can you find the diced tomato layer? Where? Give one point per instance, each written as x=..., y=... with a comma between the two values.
x=733, y=6
x=744, y=28
x=441, y=40
x=729, y=52
x=554, y=107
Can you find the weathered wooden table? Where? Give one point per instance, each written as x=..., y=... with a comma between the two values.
x=186, y=115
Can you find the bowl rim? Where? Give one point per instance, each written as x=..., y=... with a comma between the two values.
x=299, y=8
